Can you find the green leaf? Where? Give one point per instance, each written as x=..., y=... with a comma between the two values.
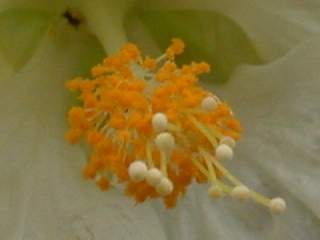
x=209, y=36
x=20, y=32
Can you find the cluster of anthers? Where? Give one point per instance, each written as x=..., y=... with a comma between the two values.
x=151, y=126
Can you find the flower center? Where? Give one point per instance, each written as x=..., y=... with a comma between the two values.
x=152, y=127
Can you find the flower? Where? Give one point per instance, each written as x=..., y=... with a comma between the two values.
x=42, y=195
x=151, y=125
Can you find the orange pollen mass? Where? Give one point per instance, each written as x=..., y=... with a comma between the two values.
x=151, y=126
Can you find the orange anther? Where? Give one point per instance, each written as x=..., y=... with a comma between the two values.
x=176, y=48
x=89, y=171
x=117, y=121
x=94, y=137
x=77, y=118
x=150, y=63
x=103, y=183
x=73, y=136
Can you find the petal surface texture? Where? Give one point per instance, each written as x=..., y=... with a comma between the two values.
x=274, y=26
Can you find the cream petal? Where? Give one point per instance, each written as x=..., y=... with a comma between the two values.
x=274, y=26
x=279, y=107
x=138, y=32
x=42, y=194
x=51, y=6
x=16, y=44
x=5, y=69
x=286, y=104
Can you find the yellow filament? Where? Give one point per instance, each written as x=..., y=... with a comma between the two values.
x=225, y=188
x=149, y=154
x=260, y=198
x=215, y=132
x=173, y=127
x=254, y=195
x=163, y=163
x=212, y=173
x=200, y=167
x=229, y=176
x=204, y=130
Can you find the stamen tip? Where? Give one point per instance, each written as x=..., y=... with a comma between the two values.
x=209, y=104
x=277, y=205
x=228, y=141
x=240, y=193
x=159, y=122
x=165, y=187
x=154, y=176
x=137, y=171
x=224, y=152
x=165, y=141
x=215, y=192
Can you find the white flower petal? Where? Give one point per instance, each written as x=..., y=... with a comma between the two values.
x=283, y=101
x=16, y=44
x=5, y=69
x=51, y=6
x=274, y=26
x=42, y=193
x=278, y=105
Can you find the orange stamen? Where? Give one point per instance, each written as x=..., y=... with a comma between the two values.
x=118, y=121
